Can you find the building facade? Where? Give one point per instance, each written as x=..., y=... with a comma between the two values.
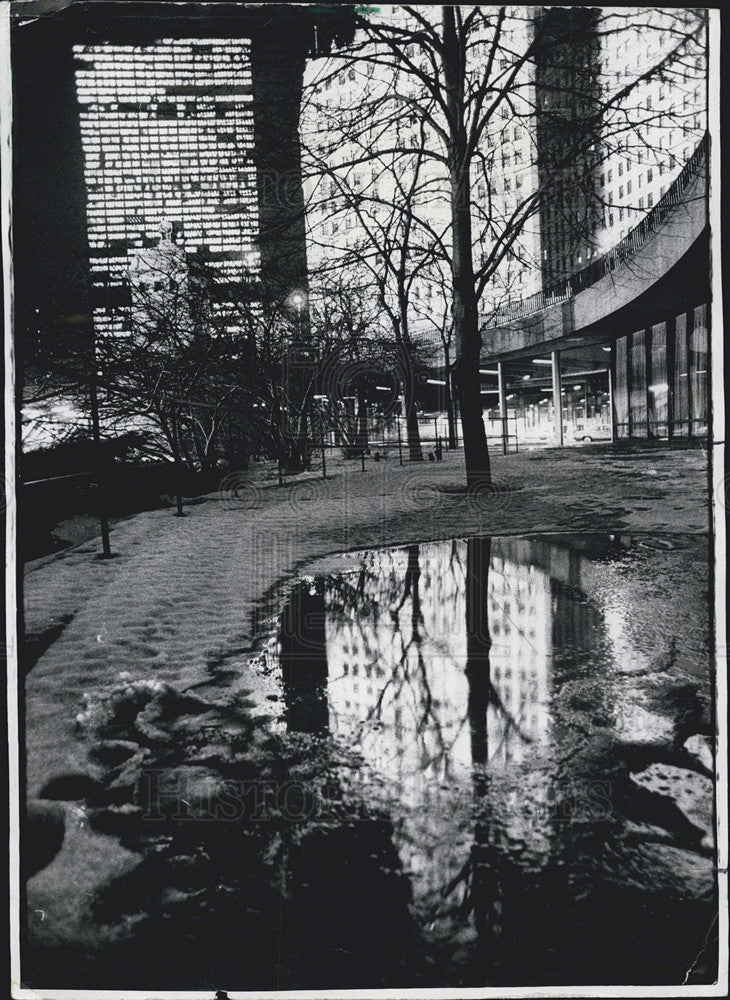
x=661, y=378
x=167, y=133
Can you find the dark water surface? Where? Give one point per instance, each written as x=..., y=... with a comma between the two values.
x=469, y=762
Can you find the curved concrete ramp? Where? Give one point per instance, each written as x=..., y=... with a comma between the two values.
x=667, y=273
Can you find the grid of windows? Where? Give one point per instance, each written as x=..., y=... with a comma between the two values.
x=167, y=133
x=670, y=107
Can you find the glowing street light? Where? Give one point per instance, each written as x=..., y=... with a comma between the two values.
x=297, y=300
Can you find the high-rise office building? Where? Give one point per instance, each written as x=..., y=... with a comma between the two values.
x=568, y=92
x=167, y=132
x=635, y=82
x=142, y=111
x=639, y=162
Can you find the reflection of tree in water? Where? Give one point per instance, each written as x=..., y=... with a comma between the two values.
x=393, y=609
x=404, y=651
x=339, y=874
x=497, y=889
x=282, y=903
x=478, y=890
x=422, y=649
x=303, y=659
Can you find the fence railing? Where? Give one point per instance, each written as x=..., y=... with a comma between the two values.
x=633, y=241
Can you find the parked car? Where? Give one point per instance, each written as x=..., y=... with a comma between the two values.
x=592, y=432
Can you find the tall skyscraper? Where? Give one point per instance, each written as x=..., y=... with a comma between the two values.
x=142, y=111
x=568, y=93
x=167, y=132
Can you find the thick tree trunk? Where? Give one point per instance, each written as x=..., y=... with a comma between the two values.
x=415, y=451
x=478, y=644
x=468, y=341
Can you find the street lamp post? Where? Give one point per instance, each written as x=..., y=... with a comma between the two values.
x=298, y=301
x=302, y=432
x=101, y=485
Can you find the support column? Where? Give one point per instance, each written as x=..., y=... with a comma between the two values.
x=611, y=411
x=557, y=398
x=502, y=405
x=671, y=359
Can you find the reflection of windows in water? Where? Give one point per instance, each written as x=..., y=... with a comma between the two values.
x=345, y=668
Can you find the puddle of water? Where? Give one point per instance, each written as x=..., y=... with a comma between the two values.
x=500, y=709
x=469, y=769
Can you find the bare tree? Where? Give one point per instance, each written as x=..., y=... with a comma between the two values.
x=444, y=90
x=391, y=245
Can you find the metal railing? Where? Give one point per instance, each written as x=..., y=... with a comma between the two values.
x=565, y=289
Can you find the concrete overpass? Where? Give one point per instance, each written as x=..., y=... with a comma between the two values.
x=659, y=271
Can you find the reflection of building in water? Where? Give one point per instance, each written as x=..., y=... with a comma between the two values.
x=399, y=690
x=396, y=667
x=482, y=783
x=404, y=669
x=576, y=625
x=520, y=622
